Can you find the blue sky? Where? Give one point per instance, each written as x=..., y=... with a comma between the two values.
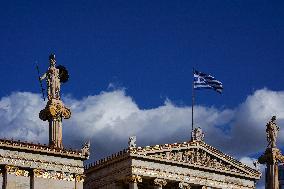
x=147, y=47
x=130, y=66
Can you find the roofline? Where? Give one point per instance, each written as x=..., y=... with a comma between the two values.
x=131, y=152
x=40, y=148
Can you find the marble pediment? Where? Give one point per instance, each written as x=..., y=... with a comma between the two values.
x=197, y=155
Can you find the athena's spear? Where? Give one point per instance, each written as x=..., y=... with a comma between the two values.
x=42, y=89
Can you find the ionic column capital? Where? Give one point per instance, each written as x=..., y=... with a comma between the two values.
x=10, y=169
x=80, y=177
x=160, y=182
x=183, y=185
x=133, y=179
x=205, y=187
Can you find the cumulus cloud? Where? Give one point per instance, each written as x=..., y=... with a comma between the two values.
x=19, y=117
x=248, y=127
x=109, y=118
x=250, y=162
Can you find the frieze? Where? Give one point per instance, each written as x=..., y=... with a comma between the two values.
x=194, y=178
x=47, y=174
x=113, y=174
x=30, y=161
x=39, y=148
x=16, y=171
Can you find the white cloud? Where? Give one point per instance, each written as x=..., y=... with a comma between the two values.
x=250, y=162
x=248, y=128
x=109, y=118
x=19, y=117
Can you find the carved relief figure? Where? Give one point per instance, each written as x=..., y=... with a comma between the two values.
x=52, y=80
x=271, y=132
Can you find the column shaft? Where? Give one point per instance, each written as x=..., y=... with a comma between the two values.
x=272, y=181
x=133, y=185
x=32, y=179
x=4, y=184
x=158, y=187
x=55, y=133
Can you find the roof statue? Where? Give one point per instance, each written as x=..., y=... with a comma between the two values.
x=197, y=134
x=86, y=149
x=271, y=132
x=55, y=110
x=132, y=142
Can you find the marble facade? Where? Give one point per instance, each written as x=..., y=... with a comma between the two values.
x=192, y=164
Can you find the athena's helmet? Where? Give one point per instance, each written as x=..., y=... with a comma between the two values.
x=52, y=59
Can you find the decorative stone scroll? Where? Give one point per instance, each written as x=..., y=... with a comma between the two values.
x=183, y=185
x=160, y=182
x=133, y=179
x=80, y=178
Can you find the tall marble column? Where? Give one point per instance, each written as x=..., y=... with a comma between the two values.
x=4, y=182
x=272, y=156
x=159, y=183
x=133, y=181
x=32, y=179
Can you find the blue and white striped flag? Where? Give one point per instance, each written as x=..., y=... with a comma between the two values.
x=205, y=81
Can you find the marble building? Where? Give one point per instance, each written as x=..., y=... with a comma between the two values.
x=192, y=164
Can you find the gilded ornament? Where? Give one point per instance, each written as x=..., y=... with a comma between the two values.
x=133, y=178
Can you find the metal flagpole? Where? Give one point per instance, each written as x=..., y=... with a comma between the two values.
x=192, y=101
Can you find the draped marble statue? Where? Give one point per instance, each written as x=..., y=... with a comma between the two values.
x=52, y=79
x=271, y=132
x=54, y=110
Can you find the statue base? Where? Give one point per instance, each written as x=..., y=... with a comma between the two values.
x=54, y=109
x=271, y=157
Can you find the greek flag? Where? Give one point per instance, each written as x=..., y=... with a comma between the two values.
x=206, y=81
